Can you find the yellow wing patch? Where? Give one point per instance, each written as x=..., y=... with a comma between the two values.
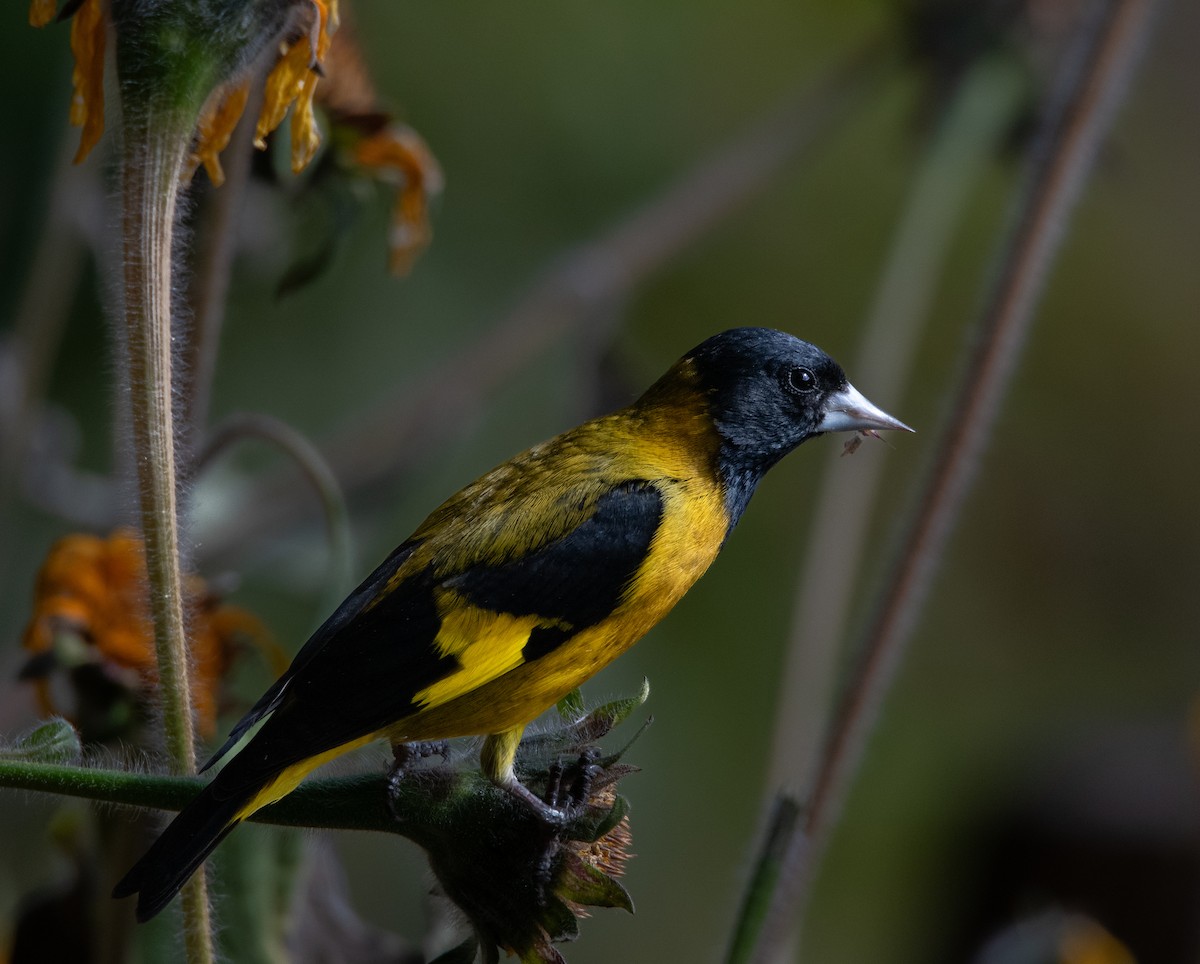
x=487, y=644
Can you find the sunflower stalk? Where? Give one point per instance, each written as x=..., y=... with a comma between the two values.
x=153, y=156
x=171, y=57
x=154, y=150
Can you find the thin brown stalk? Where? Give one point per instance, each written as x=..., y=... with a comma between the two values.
x=316, y=471
x=956, y=157
x=1092, y=80
x=150, y=193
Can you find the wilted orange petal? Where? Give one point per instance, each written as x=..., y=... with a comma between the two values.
x=62, y=595
x=294, y=80
x=41, y=12
x=209, y=663
x=218, y=631
x=217, y=122
x=217, y=634
x=305, y=136
x=399, y=153
x=97, y=588
x=87, y=103
x=94, y=587
x=410, y=233
x=282, y=87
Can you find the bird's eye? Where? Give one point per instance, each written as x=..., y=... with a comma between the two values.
x=801, y=380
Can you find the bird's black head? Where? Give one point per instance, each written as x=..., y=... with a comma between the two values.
x=767, y=392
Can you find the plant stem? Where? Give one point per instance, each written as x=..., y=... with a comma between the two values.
x=779, y=841
x=155, y=144
x=1092, y=79
x=958, y=154
x=314, y=468
x=150, y=181
x=170, y=58
x=341, y=803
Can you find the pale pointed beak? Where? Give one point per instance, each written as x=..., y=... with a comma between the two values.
x=849, y=411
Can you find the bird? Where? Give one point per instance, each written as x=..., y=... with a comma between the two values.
x=524, y=584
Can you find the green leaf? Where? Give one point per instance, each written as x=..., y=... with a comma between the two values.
x=603, y=718
x=584, y=884
x=620, y=809
x=571, y=707
x=542, y=953
x=54, y=741
x=785, y=824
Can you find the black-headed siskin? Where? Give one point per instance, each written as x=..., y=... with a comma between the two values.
x=527, y=582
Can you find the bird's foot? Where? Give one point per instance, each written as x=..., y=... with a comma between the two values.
x=553, y=817
x=404, y=755
x=568, y=788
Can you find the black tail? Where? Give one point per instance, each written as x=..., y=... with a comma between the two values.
x=181, y=848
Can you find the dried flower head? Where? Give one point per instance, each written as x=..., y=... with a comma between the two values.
x=290, y=84
x=90, y=610
x=315, y=64
x=523, y=884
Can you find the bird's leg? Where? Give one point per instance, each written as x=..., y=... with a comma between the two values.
x=554, y=785
x=497, y=757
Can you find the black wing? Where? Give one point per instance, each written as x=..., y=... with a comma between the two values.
x=362, y=669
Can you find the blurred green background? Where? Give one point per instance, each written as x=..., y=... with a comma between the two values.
x=1055, y=666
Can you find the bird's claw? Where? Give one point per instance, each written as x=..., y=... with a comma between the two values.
x=568, y=788
x=404, y=755
x=550, y=815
